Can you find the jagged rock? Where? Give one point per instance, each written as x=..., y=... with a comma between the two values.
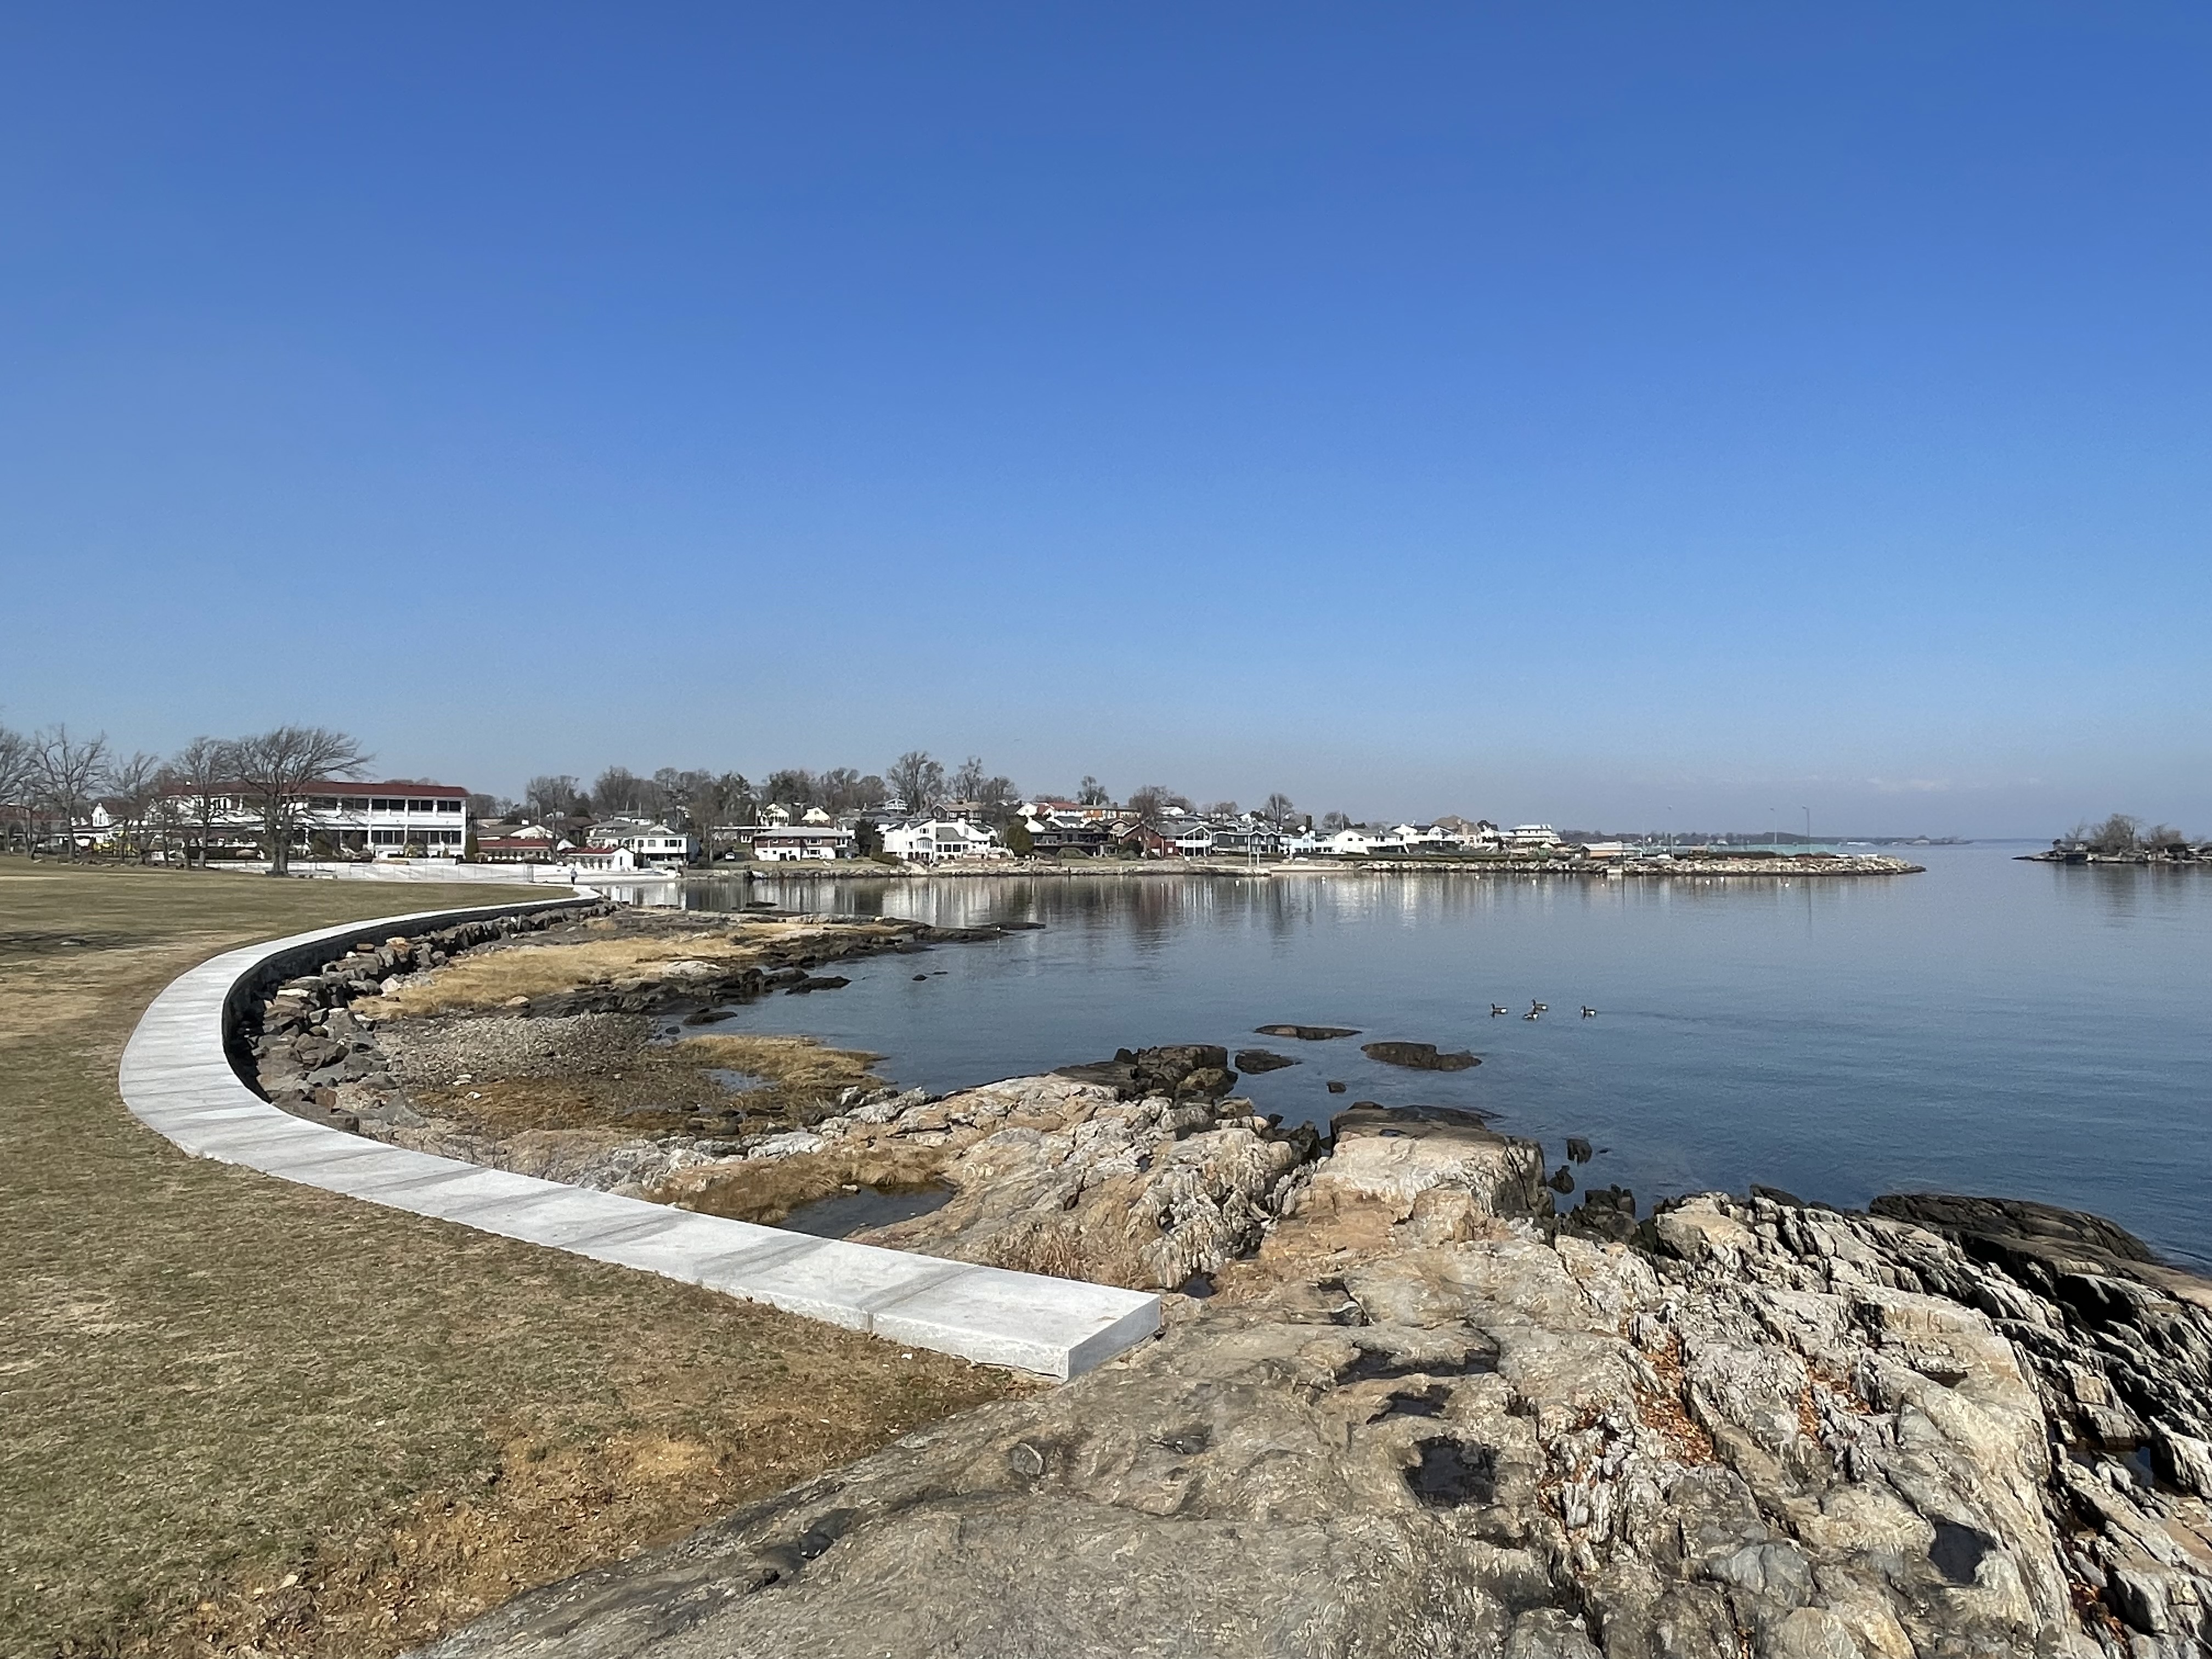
x=1251, y=1061
x=1758, y=1439
x=1308, y=1033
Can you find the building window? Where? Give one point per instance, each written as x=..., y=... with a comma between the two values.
x=384, y=804
x=387, y=838
x=422, y=806
x=449, y=807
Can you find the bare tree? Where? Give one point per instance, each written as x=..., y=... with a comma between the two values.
x=1277, y=810
x=553, y=797
x=2116, y=835
x=63, y=771
x=274, y=770
x=714, y=802
x=165, y=813
x=917, y=780
x=1148, y=800
x=1222, y=809
x=206, y=773
x=968, y=779
x=793, y=787
x=1092, y=793
x=132, y=785
x=839, y=789
x=620, y=792
x=15, y=784
x=1333, y=822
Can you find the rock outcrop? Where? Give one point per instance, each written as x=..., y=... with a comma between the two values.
x=1407, y=1425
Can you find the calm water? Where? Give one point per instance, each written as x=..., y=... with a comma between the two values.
x=1995, y=1027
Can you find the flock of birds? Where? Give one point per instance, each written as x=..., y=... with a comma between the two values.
x=1537, y=1010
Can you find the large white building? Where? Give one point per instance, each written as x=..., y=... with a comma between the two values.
x=395, y=819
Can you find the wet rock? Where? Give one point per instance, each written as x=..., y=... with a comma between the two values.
x=1420, y=1056
x=1254, y=1060
x=1578, y=1150
x=1308, y=1033
x=813, y=982
x=1335, y=1087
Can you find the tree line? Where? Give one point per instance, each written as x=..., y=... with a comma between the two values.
x=2121, y=835
x=52, y=779
x=165, y=805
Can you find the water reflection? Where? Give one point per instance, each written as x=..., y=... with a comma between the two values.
x=1992, y=1026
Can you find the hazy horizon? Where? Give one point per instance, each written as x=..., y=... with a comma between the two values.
x=1617, y=418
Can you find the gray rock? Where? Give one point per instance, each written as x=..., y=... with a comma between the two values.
x=1420, y=1056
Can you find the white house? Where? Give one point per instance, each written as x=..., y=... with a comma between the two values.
x=650, y=843
x=599, y=859
x=381, y=820
x=1531, y=837
x=1348, y=843
x=786, y=843
x=934, y=840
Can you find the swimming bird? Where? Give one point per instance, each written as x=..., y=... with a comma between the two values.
x=1498, y=1008
x=1536, y=1008
x=1589, y=1012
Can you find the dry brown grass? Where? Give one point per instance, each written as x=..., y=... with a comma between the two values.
x=212, y=1382
x=485, y=978
x=1039, y=1247
x=766, y=1190
x=799, y=1076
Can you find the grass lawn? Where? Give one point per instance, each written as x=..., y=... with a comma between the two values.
x=242, y=1417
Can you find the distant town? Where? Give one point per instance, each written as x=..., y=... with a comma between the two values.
x=297, y=795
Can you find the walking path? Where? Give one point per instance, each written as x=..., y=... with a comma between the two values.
x=177, y=1078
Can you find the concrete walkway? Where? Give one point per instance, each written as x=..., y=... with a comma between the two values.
x=177, y=1078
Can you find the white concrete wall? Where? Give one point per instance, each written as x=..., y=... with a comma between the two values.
x=177, y=1078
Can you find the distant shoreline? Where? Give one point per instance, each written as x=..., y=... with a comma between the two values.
x=1731, y=868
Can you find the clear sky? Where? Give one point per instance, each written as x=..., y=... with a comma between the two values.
x=1613, y=415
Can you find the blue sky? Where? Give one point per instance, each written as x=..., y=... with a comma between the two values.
x=1611, y=415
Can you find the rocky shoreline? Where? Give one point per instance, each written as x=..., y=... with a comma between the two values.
x=1404, y=1405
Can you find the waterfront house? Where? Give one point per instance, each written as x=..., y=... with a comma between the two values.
x=936, y=841
x=1245, y=837
x=1348, y=844
x=528, y=844
x=786, y=843
x=1477, y=832
x=650, y=843
x=1532, y=838
x=1190, y=839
